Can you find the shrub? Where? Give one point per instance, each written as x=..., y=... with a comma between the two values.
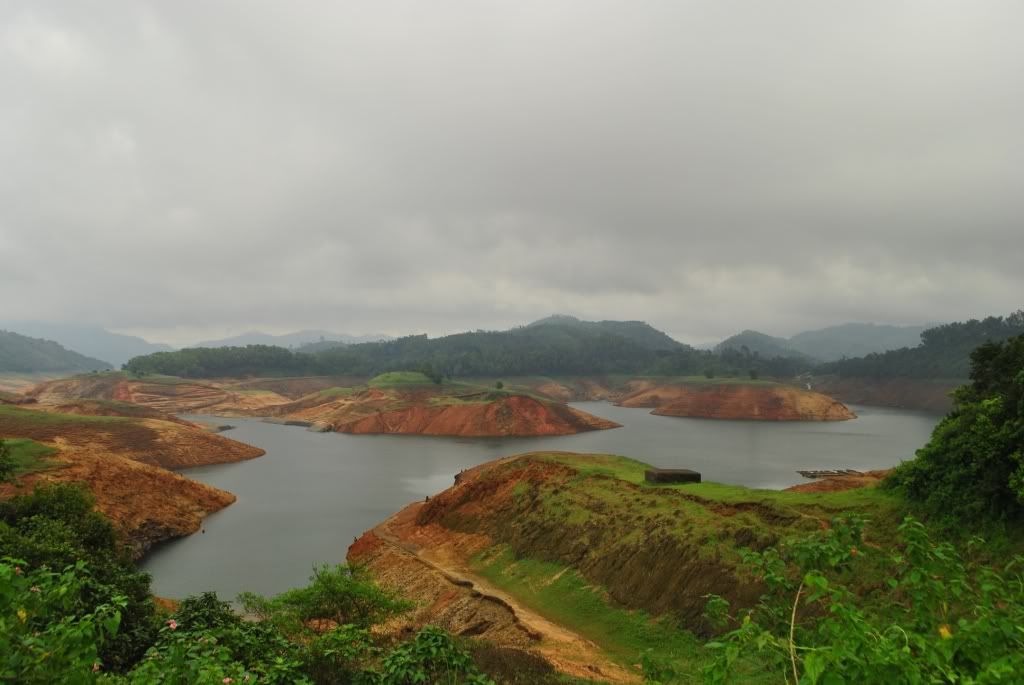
x=432, y=656
x=341, y=595
x=838, y=610
x=45, y=634
x=972, y=470
x=7, y=464
x=54, y=528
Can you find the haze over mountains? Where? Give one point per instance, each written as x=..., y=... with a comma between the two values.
x=295, y=339
x=557, y=344
x=22, y=354
x=830, y=343
x=93, y=341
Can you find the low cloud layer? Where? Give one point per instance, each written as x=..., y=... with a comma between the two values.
x=188, y=170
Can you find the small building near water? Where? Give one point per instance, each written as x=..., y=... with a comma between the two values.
x=671, y=476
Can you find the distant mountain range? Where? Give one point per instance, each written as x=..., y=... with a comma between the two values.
x=22, y=354
x=828, y=344
x=297, y=339
x=92, y=341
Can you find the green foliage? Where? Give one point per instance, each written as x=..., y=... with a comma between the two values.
x=944, y=352
x=45, y=634
x=56, y=527
x=400, y=378
x=972, y=470
x=19, y=456
x=344, y=595
x=432, y=657
x=205, y=641
x=824, y=618
x=7, y=463
x=94, y=621
x=499, y=385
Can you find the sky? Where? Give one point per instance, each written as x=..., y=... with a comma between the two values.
x=189, y=170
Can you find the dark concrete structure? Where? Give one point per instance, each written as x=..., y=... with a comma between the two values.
x=671, y=476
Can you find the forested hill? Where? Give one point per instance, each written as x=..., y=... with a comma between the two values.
x=827, y=344
x=21, y=354
x=944, y=352
x=639, y=332
x=557, y=345
x=758, y=343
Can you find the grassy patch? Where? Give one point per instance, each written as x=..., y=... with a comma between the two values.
x=19, y=415
x=399, y=378
x=562, y=595
x=338, y=392
x=885, y=508
x=29, y=456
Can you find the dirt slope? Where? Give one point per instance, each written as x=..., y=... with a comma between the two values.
x=170, y=396
x=429, y=411
x=147, y=504
x=591, y=520
x=762, y=402
x=517, y=415
x=426, y=564
x=124, y=461
x=168, y=444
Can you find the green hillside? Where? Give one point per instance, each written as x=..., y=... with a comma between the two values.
x=944, y=352
x=763, y=345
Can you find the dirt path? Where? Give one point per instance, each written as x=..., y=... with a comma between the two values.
x=566, y=650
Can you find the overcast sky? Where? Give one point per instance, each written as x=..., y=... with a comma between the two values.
x=186, y=170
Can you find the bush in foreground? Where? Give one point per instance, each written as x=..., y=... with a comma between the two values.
x=971, y=472
x=839, y=609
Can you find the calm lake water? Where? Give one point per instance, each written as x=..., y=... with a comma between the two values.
x=305, y=501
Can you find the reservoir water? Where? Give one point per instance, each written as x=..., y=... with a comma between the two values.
x=305, y=501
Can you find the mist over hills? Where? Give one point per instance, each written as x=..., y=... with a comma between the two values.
x=830, y=343
x=296, y=339
x=88, y=340
x=23, y=354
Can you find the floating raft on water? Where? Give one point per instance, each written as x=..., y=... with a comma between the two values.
x=829, y=473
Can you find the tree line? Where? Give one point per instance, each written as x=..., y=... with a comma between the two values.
x=537, y=350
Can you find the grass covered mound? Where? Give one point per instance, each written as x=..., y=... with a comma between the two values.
x=584, y=541
x=717, y=583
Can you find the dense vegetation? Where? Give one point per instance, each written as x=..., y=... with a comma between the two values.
x=556, y=346
x=944, y=352
x=972, y=469
x=21, y=354
x=73, y=609
x=761, y=344
x=841, y=608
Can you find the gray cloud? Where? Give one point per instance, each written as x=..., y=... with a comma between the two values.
x=183, y=170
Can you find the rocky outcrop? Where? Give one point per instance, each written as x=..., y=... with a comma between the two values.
x=761, y=402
